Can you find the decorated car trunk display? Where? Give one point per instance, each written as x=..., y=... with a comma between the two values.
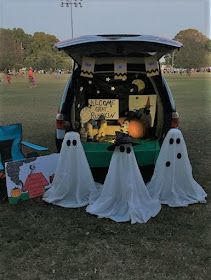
x=116, y=90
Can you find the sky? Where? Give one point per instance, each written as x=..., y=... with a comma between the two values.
x=154, y=17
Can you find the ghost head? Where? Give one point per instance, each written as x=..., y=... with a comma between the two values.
x=172, y=182
x=73, y=184
x=124, y=196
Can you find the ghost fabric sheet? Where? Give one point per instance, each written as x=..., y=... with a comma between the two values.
x=73, y=184
x=124, y=196
x=172, y=182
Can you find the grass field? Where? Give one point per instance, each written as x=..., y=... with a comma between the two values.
x=39, y=241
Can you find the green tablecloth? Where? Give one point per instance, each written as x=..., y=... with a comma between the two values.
x=98, y=156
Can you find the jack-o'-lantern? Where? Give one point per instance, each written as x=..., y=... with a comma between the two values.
x=16, y=192
x=136, y=129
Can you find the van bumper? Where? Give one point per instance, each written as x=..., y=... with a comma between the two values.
x=98, y=156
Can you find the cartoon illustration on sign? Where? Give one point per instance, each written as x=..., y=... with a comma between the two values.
x=29, y=177
x=35, y=182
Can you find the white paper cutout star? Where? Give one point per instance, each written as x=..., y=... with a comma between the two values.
x=81, y=88
x=98, y=91
x=90, y=82
x=113, y=88
x=132, y=90
x=107, y=79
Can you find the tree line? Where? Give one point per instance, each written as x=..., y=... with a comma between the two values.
x=18, y=50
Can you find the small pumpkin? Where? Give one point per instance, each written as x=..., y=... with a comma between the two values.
x=16, y=192
x=136, y=129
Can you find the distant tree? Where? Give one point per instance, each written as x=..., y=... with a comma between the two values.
x=9, y=50
x=18, y=49
x=194, y=53
x=24, y=42
x=43, y=54
x=168, y=59
x=209, y=46
x=43, y=41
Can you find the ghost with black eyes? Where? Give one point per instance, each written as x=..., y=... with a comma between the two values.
x=124, y=196
x=172, y=182
x=73, y=184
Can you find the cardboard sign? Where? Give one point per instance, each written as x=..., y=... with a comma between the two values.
x=137, y=102
x=29, y=177
x=109, y=108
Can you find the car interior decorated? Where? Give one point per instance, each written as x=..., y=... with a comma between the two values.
x=116, y=90
x=103, y=104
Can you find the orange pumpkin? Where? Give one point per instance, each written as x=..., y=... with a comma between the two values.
x=136, y=129
x=16, y=192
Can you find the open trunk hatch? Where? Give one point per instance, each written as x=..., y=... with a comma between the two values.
x=118, y=46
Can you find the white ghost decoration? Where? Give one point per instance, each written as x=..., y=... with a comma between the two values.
x=172, y=182
x=73, y=184
x=124, y=196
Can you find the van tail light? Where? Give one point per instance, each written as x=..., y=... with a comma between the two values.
x=175, y=120
x=60, y=122
x=60, y=126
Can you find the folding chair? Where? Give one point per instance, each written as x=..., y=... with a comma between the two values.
x=11, y=144
x=11, y=149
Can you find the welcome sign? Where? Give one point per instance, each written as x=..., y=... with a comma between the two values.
x=109, y=108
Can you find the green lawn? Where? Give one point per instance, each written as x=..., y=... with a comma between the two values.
x=35, y=108
x=40, y=241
